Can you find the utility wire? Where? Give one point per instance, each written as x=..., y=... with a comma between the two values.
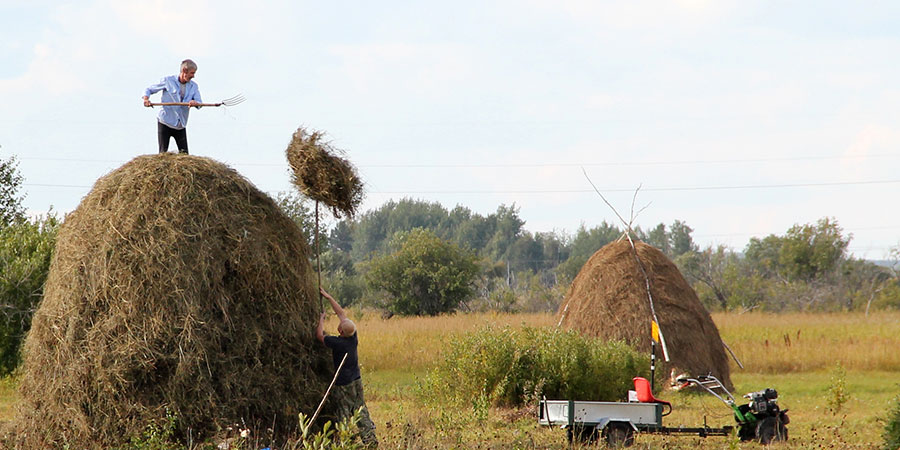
x=552, y=164
x=579, y=191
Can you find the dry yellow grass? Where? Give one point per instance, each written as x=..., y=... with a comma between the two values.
x=803, y=342
x=395, y=351
x=765, y=343
x=412, y=344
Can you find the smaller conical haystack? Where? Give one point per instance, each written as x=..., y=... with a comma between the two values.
x=608, y=299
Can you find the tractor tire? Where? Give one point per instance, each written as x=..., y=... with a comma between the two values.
x=747, y=431
x=770, y=430
x=618, y=436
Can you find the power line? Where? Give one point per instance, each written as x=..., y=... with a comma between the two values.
x=545, y=164
x=631, y=163
x=581, y=191
x=659, y=189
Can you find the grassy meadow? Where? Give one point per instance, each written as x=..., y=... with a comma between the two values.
x=836, y=373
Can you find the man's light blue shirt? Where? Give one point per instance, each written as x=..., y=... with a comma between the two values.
x=174, y=116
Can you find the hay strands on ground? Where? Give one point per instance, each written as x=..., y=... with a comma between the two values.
x=231, y=101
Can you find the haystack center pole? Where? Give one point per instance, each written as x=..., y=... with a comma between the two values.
x=662, y=339
x=627, y=225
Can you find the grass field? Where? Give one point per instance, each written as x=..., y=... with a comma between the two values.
x=836, y=373
x=800, y=355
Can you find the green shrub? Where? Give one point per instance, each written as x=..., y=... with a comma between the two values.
x=515, y=366
x=837, y=392
x=892, y=429
x=26, y=248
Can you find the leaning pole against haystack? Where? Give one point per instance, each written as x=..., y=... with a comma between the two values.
x=177, y=288
x=609, y=299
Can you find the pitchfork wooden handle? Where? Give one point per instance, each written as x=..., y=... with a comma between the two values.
x=184, y=104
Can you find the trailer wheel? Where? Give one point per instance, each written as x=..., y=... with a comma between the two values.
x=771, y=430
x=618, y=435
x=584, y=434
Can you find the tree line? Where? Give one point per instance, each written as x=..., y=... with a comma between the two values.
x=807, y=268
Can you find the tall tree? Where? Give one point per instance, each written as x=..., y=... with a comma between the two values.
x=303, y=212
x=507, y=226
x=11, y=209
x=659, y=238
x=680, y=239
x=804, y=253
x=425, y=275
x=810, y=251
x=585, y=243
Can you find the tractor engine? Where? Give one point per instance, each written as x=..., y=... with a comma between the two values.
x=763, y=403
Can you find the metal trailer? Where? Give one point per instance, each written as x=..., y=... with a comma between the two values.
x=615, y=422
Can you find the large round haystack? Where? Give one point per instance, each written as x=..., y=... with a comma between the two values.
x=608, y=299
x=176, y=287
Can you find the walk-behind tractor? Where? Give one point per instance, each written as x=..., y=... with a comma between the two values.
x=617, y=422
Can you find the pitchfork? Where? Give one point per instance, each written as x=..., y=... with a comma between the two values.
x=227, y=102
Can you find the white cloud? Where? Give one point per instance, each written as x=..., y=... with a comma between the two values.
x=641, y=14
x=391, y=68
x=182, y=26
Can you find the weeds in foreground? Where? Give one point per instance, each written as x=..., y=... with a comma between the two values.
x=330, y=437
x=157, y=436
x=891, y=434
x=837, y=392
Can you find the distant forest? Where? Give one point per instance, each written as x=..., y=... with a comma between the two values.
x=806, y=268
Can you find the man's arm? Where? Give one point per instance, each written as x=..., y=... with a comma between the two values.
x=320, y=329
x=195, y=100
x=334, y=305
x=154, y=88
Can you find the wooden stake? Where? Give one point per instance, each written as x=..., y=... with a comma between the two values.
x=318, y=267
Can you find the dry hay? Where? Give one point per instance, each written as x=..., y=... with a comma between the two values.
x=176, y=285
x=608, y=299
x=322, y=175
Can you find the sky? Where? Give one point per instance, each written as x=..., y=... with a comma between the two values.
x=740, y=119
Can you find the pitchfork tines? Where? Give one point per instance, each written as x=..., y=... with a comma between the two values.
x=237, y=99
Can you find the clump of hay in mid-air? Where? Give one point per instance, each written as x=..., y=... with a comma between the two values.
x=177, y=288
x=608, y=299
x=322, y=175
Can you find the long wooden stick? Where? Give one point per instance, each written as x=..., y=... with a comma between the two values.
x=336, y=372
x=318, y=267
x=185, y=104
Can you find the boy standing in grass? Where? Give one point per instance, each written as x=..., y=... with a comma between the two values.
x=348, y=387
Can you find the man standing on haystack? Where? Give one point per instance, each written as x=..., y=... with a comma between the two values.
x=348, y=392
x=172, y=119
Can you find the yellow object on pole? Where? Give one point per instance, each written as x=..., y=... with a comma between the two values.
x=654, y=330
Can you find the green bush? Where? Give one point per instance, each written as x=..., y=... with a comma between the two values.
x=511, y=367
x=425, y=276
x=892, y=429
